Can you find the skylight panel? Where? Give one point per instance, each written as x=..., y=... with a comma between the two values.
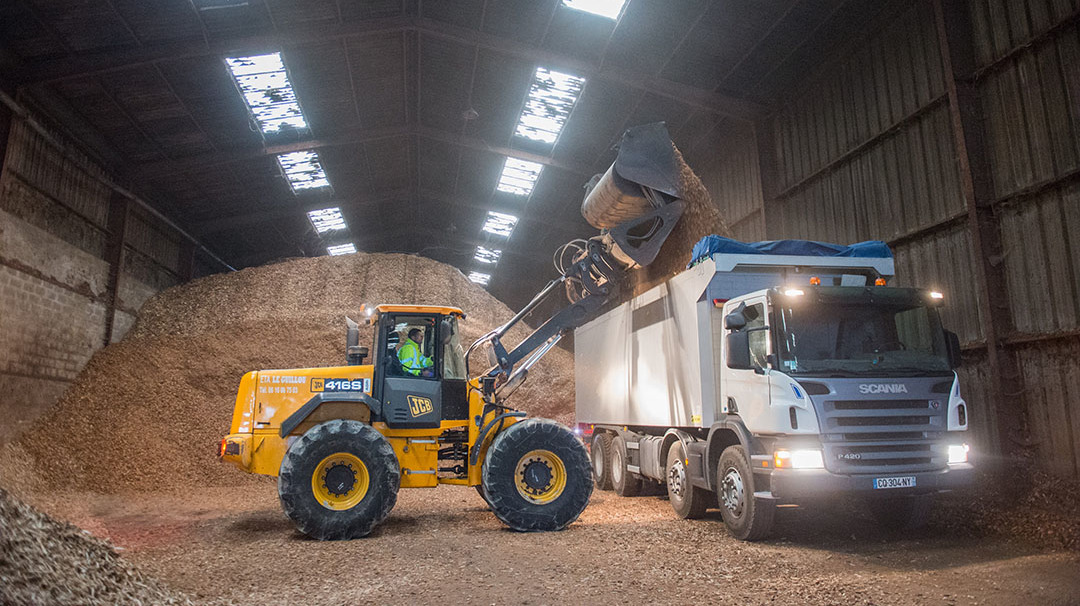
x=604, y=8
x=480, y=278
x=500, y=224
x=267, y=92
x=487, y=255
x=303, y=170
x=519, y=176
x=327, y=219
x=551, y=97
x=341, y=249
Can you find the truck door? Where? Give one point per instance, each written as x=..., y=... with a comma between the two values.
x=746, y=392
x=408, y=376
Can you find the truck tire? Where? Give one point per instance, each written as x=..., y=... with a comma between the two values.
x=600, y=453
x=902, y=513
x=339, y=480
x=747, y=518
x=624, y=483
x=688, y=501
x=537, y=476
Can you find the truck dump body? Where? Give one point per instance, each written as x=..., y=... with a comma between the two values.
x=655, y=360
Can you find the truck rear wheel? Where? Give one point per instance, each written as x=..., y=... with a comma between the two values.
x=748, y=518
x=600, y=452
x=902, y=513
x=624, y=483
x=688, y=501
x=537, y=476
x=338, y=480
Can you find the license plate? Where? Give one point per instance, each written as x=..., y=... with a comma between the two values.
x=904, y=482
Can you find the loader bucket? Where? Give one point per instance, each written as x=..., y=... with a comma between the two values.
x=647, y=160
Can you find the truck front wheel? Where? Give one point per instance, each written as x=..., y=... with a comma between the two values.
x=902, y=513
x=748, y=518
x=688, y=501
x=338, y=480
x=600, y=451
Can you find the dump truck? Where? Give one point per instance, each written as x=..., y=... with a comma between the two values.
x=342, y=440
x=776, y=373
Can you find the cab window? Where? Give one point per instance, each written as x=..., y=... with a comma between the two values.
x=758, y=334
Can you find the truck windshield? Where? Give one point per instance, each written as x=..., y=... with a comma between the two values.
x=860, y=338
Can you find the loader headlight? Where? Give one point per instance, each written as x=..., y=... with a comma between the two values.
x=958, y=453
x=798, y=459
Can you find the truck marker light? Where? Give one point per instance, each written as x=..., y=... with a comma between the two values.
x=719, y=302
x=958, y=453
x=936, y=295
x=815, y=281
x=879, y=282
x=794, y=292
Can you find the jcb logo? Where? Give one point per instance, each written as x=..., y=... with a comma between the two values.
x=317, y=385
x=419, y=406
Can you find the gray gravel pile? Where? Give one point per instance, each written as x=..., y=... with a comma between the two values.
x=43, y=561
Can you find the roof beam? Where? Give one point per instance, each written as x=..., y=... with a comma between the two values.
x=158, y=169
x=94, y=63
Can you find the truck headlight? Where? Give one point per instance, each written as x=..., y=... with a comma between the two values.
x=798, y=459
x=958, y=453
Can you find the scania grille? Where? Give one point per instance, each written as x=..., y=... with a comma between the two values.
x=884, y=436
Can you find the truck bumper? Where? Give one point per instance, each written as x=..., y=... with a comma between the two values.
x=794, y=484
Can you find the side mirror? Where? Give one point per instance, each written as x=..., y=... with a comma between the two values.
x=736, y=320
x=952, y=344
x=738, y=350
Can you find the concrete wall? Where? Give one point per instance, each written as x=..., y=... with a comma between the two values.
x=55, y=272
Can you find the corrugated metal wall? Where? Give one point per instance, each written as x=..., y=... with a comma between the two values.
x=726, y=159
x=866, y=151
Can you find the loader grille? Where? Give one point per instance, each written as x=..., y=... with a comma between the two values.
x=884, y=436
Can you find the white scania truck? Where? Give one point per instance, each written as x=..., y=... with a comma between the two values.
x=754, y=379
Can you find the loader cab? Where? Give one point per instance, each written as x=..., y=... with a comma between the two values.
x=420, y=399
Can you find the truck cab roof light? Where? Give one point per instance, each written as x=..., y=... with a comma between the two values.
x=936, y=295
x=815, y=281
x=879, y=282
x=794, y=292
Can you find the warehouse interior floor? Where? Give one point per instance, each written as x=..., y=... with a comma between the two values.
x=234, y=544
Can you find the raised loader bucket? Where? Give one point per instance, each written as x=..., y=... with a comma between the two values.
x=647, y=160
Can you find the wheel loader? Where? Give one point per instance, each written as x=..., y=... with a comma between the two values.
x=342, y=440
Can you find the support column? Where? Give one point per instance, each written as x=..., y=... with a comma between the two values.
x=956, y=40
x=119, y=209
x=768, y=174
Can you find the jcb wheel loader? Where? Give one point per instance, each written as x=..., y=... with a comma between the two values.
x=342, y=440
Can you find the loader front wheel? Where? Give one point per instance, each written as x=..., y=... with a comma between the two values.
x=537, y=476
x=338, y=480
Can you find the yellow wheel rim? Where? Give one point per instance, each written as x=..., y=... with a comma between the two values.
x=340, y=481
x=540, y=476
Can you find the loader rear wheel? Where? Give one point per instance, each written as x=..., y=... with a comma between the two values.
x=338, y=480
x=537, y=476
x=688, y=501
x=601, y=459
x=625, y=483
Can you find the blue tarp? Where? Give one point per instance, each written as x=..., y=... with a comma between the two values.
x=710, y=245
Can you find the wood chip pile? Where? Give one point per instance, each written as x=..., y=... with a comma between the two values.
x=43, y=561
x=148, y=413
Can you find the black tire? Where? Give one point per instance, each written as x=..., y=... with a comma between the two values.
x=600, y=453
x=303, y=459
x=480, y=491
x=748, y=518
x=549, y=507
x=624, y=483
x=688, y=501
x=902, y=513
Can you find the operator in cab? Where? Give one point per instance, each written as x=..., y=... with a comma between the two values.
x=411, y=355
